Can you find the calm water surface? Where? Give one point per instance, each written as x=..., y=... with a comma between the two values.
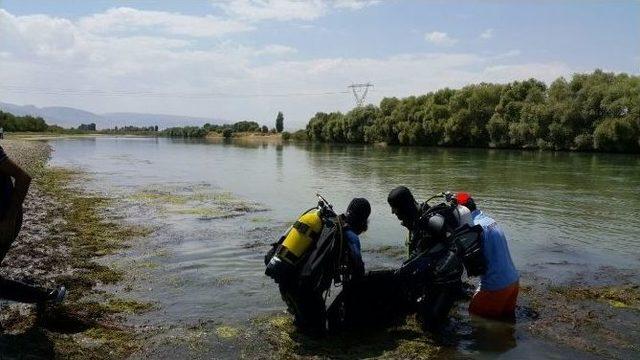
x=563, y=212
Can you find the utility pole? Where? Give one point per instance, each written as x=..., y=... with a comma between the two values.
x=360, y=92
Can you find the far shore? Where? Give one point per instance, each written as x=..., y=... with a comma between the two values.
x=250, y=136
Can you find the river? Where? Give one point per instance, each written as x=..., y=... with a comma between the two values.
x=563, y=212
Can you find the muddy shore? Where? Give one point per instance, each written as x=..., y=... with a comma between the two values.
x=75, y=237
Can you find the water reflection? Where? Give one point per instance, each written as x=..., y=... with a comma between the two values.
x=492, y=336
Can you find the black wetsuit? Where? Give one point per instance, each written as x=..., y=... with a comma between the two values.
x=307, y=307
x=307, y=303
x=433, y=271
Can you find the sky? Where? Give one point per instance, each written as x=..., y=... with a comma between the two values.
x=248, y=59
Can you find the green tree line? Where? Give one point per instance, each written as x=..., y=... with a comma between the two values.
x=598, y=111
x=12, y=123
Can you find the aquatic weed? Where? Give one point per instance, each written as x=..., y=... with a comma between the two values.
x=81, y=328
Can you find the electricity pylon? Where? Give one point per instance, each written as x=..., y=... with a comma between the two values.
x=360, y=92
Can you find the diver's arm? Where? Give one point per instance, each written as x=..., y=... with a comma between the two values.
x=22, y=182
x=355, y=255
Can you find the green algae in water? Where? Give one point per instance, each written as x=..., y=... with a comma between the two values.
x=89, y=234
x=405, y=342
x=149, y=265
x=197, y=201
x=227, y=332
x=618, y=304
x=205, y=213
x=621, y=296
x=159, y=197
x=129, y=306
x=224, y=281
x=197, y=339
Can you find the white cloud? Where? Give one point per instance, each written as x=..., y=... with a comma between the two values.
x=125, y=19
x=154, y=70
x=284, y=10
x=487, y=34
x=440, y=38
x=275, y=49
x=509, y=54
x=354, y=4
x=257, y=10
x=542, y=71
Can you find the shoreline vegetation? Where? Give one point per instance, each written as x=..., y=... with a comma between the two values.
x=597, y=112
x=36, y=126
x=590, y=112
x=66, y=231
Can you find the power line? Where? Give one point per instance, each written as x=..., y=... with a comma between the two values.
x=98, y=92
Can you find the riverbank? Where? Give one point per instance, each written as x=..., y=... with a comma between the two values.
x=249, y=137
x=66, y=230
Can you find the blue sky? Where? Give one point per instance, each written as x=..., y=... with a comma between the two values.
x=247, y=59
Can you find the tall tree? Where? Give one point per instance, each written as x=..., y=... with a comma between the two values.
x=280, y=122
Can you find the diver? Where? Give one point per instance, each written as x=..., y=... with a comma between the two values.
x=432, y=273
x=497, y=293
x=14, y=186
x=319, y=249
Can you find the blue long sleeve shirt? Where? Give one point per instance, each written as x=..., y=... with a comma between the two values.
x=500, y=269
x=355, y=252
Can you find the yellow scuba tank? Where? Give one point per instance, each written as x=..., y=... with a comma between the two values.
x=302, y=234
x=297, y=241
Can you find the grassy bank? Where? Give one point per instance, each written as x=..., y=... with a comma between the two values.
x=65, y=231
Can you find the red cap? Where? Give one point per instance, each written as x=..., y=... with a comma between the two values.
x=463, y=197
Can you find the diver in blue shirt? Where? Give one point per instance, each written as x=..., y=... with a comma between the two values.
x=356, y=222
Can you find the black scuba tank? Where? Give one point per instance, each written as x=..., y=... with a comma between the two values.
x=468, y=242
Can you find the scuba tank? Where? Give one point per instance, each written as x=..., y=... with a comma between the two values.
x=283, y=260
x=468, y=241
x=463, y=215
x=462, y=236
x=301, y=235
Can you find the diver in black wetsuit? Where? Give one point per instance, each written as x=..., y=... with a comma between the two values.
x=304, y=294
x=432, y=272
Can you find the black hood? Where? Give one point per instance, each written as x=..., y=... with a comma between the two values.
x=404, y=205
x=357, y=213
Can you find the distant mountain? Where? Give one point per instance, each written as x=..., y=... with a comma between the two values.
x=71, y=117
